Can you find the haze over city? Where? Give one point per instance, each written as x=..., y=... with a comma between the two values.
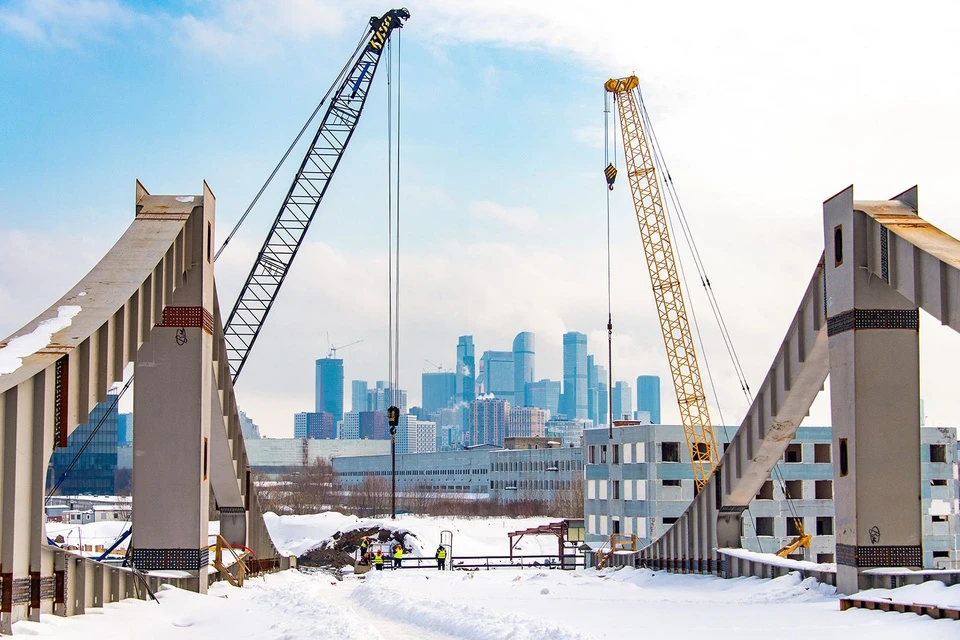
x=762, y=114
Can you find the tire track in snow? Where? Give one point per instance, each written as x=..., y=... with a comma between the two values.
x=459, y=621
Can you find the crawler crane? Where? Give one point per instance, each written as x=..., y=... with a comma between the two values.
x=667, y=288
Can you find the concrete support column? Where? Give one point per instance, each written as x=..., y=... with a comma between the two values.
x=171, y=441
x=875, y=397
x=17, y=500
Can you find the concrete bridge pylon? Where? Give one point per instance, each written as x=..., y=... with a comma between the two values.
x=151, y=302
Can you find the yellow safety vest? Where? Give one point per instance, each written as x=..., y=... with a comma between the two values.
x=442, y=554
x=378, y=559
x=398, y=553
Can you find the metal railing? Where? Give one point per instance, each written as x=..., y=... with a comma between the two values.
x=473, y=563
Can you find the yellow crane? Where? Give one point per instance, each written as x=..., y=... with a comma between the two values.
x=667, y=291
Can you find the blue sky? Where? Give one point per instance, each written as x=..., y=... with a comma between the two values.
x=762, y=113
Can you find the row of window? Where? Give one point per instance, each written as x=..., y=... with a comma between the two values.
x=670, y=452
x=537, y=485
x=537, y=465
x=417, y=472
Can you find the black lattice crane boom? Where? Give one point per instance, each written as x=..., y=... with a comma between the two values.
x=306, y=192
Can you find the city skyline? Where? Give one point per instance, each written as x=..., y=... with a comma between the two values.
x=487, y=244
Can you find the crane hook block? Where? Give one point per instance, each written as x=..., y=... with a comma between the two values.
x=393, y=416
x=611, y=173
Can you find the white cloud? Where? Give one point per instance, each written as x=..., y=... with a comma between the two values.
x=521, y=218
x=64, y=22
x=251, y=28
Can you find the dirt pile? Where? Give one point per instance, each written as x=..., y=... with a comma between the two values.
x=342, y=549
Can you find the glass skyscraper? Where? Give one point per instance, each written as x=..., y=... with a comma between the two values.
x=329, y=396
x=95, y=469
x=496, y=374
x=574, y=375
x=648, y=396
x=544, y=394
x=358, y=395
x=438, y=390
x=622, y=401
x=592, y=406
x=466, y=370
x=523, y=365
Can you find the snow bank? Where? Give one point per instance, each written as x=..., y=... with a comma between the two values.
x=932, y=592
x=295, y=535
x=775, y=560
x=11, y=356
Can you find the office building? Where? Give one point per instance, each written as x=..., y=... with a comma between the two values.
x=373, y=426
x=574, y=403
x=329, y=388
x=497, y=374
x=592, y=399
x=439, y=390
x=358, y=396
x=524, y=368
x=314, y=425
x=381, y=398
x=504, y=475
x=648, y=396
x=526, y=422
x=125, y=429
x=248, y=427
x=286, y=455
x=489, y=421
x=568, y=431
x=641, y=482
x=466, y=370
x=93, y=471
x=416, y=436
x=622, y=401
x=544, y=394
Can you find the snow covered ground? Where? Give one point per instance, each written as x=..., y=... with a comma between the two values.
x=499, y=604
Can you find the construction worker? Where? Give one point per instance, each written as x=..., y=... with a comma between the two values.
x=378, y=560
x=441, y=558
x=397, y=556
x=364, y=544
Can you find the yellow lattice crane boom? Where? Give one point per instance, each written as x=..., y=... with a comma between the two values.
x=661, y=262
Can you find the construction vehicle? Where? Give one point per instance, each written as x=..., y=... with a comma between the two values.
x=323, y=156
x=641, y=166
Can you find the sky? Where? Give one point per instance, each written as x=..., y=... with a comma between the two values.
x=521, y=604
x=763, y=111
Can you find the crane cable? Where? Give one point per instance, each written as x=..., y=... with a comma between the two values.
x=607, y=163
x=393, y=228
x=676, y=208
x=714, y=304
x=233, y=232
x=336, y=82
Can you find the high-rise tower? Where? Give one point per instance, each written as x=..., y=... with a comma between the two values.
x=466, y=370
x=523, y=365
x=574, y=375
x=648, y=396
x=330, y=387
